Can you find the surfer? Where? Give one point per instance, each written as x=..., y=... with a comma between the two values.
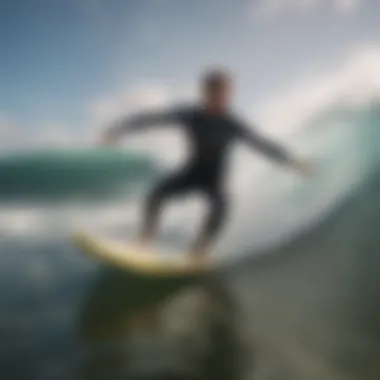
x=211, y=128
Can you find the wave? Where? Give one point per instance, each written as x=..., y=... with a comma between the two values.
x=71, y=174
x=343, y=138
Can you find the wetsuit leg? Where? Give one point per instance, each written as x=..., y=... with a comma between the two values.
x=215, y=219
x=170, y=187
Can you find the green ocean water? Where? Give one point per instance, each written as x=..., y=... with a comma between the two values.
x=71, y=174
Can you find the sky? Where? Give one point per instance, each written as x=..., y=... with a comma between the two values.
x=70, y=66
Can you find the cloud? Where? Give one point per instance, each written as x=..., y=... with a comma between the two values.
x=14, y=137
x=270, y=8
x=267, y=9
x=101, y=112
x=114, y=106
x=346, y=6
x=57, y=136
x=356, y=81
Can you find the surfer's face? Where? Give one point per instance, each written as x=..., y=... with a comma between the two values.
x=217, y=91
x=218, y=99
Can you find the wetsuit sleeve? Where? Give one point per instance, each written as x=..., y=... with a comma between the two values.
x=148, y=120
x=262, y=144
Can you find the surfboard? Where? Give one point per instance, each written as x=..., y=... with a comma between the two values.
x=130, y=258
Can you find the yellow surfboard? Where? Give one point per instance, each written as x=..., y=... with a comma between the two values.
x=130, y=258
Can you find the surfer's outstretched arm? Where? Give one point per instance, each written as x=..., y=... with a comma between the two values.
x=272, y=149
x=140, y=122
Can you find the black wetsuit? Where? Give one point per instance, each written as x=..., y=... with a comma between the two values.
x=210, y=139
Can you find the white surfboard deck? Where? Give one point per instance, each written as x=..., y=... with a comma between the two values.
x=131, y=258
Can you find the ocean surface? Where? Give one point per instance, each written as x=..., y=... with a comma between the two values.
x=296, y=299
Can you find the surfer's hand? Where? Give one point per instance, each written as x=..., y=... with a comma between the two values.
x=304, y=167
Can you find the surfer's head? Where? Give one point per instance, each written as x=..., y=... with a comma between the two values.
x=216, y=89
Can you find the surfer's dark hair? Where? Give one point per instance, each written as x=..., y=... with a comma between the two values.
x=215, y=79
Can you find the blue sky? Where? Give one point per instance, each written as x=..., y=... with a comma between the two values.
x=60, y=57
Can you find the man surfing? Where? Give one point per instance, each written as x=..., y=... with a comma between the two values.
x=211, y=128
